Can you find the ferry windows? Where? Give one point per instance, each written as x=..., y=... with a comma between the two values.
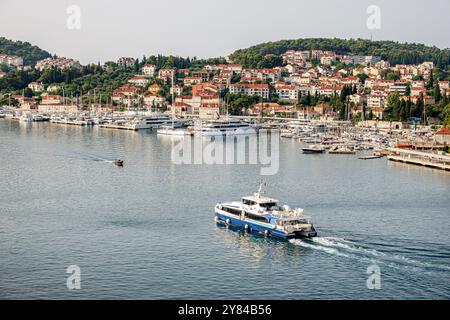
x=248, y=202
x=232, y=211
x=255, y=217
x=268, y=205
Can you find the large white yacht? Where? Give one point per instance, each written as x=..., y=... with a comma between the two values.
x=175, y=128
x=224, y=127
x=152, y=121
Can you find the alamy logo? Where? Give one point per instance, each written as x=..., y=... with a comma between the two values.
x=74, y=280
x=374, y=19
x=244, y=146
x=374, y=280
x=74, y=19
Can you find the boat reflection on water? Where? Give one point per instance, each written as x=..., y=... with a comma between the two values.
x=257, y=246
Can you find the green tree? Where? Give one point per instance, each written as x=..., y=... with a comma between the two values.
x=437, y=93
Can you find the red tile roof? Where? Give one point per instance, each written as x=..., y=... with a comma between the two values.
x=443, y=131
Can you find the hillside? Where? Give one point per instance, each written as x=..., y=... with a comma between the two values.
x=394, y=52
x=30, y=54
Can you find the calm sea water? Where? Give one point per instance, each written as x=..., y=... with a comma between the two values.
x=146, y=231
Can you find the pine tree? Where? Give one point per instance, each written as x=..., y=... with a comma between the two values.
x=430, y=82
x=437, y=93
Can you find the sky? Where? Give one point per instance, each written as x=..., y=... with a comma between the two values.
x=109, y=29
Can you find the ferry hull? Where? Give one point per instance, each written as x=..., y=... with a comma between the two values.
x=220, y=218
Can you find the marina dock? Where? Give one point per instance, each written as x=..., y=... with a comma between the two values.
x=420, y=158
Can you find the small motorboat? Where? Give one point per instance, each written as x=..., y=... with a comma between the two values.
x=313, y=149
x=118, y=163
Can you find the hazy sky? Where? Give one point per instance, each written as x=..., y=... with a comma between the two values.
x=209, y=28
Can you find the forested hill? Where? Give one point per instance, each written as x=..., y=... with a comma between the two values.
x=30, y=54
x=265, y=54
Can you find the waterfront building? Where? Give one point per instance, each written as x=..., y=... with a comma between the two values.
x=442, y=136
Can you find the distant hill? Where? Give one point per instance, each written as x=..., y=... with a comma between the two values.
x=394, y=52
x=30, y=54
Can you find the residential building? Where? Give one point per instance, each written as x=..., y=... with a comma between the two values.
x=149, y=70
x=11, y=60
x=126, y=62
x=202, y=74
x=376, y=101
x=261, y=90
x=365, y=60
x=59, y=63
x=166, y=74
x=36, y=86
x=51, y=99
x=442, y=136
x=189, y=81
x=138, y=81
x=154, y=100
x=287, y=92
x=262, y=74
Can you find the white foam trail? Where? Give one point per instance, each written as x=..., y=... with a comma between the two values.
x=312, y=246
x=336, y=246
x=98, y=158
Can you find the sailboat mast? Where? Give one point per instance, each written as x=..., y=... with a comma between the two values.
x=173, y=100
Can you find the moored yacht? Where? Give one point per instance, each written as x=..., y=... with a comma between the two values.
x=315, y=148
x=37, y=118
x=173, y=128
x=148, y=122
x=263, y=214
x=341, y=150
x=26, y=117
x=224, y=127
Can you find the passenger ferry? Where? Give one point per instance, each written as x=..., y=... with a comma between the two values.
x=263, y=214
x=224, y=127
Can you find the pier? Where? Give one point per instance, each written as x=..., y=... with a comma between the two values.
x=431, y=160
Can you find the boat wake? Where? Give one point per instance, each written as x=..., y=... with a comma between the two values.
x=96, y=158
x=345, y=248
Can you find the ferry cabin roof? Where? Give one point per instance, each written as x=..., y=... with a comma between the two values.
x=263, y=201
x=236, y=209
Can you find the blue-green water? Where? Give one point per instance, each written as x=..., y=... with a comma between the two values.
x=146, y=230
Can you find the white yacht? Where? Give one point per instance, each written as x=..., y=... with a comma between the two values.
x=26, y=117
x=148, y=122
x=175, y=129
x=37, y=118
x=224, y=127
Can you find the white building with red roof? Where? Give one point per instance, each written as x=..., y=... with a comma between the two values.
x=261, y=90
x=287, y=92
